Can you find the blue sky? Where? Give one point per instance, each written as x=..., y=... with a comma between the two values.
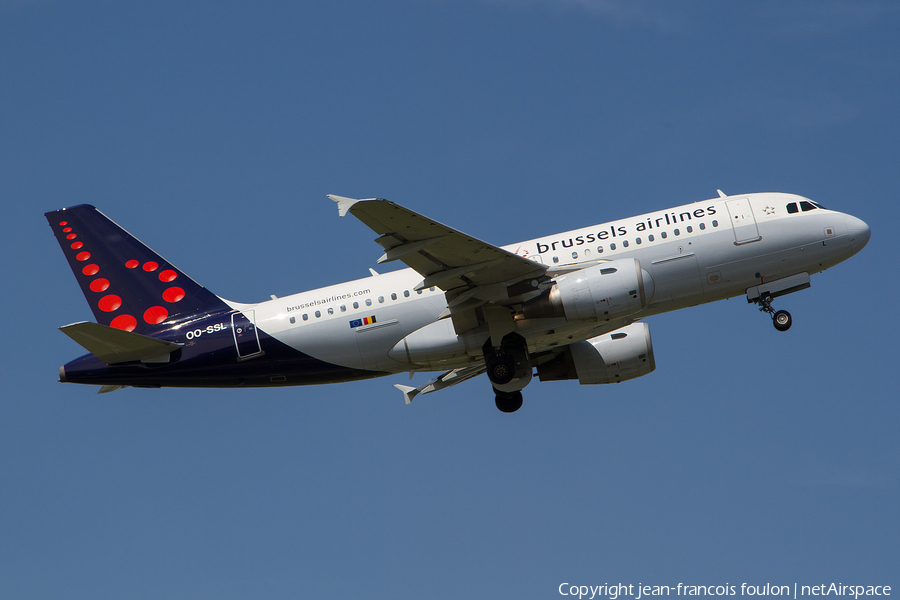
x=212, y=131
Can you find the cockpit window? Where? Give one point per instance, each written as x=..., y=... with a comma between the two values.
x=792, y=208
x=807, y=206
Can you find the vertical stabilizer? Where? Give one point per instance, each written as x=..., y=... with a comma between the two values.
x=127, y=285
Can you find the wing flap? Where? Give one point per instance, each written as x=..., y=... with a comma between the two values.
x=446, y=380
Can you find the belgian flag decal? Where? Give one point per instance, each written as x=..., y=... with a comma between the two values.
x=363, y=321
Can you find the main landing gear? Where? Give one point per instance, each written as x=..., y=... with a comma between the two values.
x=508, y=402
x=781, y=319
x=509, y=369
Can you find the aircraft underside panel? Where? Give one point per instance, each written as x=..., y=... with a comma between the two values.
x=217, y=366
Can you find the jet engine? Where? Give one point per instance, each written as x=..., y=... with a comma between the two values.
x=624, y=354
x=606, y=291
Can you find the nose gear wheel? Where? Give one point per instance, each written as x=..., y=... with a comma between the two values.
x=780, y=319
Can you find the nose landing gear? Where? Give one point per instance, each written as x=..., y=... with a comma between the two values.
x=780, y=319
x=764, y=293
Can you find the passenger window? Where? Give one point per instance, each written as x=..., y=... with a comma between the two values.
x=792, y=208
x=431, y=289
x=356, y=305
x=702, y=226
x=343, y=308
x=393, y=296
x=318, y=314
x=677, y=232
x=305, y=317
x=406, y=293
x=625, y=244
x=650, y=237
x=419, y=292
x=587, y=252
x=599, y=249
x=690, y=229
x=715, y=223
x=638, y=241
x=368, y=302
x=556, y=259
x=380, y=299
x=293, y=320
x=574, y=255
x=612, y=246
x=330, y=311
x=663, y=235
x=806, y=206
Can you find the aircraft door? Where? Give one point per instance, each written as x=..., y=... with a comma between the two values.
x=246, y=339
x=742, y=221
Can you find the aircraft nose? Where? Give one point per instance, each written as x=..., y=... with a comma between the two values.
x=859, y=233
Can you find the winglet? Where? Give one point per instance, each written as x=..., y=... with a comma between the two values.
x=409, y=392
x=344, y=204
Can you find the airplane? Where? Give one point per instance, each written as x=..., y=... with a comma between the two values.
x=570, y=306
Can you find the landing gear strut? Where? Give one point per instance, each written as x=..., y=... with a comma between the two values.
x=781, y=319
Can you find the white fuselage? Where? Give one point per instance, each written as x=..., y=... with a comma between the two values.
x=694, y=253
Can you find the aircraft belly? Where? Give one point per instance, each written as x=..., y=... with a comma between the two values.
x=676, y=276
x=331, y=341
x=216, y=366
x=782, y=252
x=376, y=341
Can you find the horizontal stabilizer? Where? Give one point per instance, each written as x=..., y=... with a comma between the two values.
x=113, y=345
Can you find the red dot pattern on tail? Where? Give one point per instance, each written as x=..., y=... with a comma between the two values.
x=112, y=302
x=100, y=285
x=126, y=322
x=155, y=315
x=109, y=303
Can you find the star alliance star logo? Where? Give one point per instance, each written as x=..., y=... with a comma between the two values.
x=769, y=210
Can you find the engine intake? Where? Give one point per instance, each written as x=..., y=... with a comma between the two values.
x=614, y=289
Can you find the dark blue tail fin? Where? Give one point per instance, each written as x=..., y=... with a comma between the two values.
x=127, y=285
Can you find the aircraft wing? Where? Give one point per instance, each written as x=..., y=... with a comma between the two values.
x=442, y=381
x=444, y=257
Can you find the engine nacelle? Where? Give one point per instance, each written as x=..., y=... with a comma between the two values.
x=606, y=291
x=624, y=354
